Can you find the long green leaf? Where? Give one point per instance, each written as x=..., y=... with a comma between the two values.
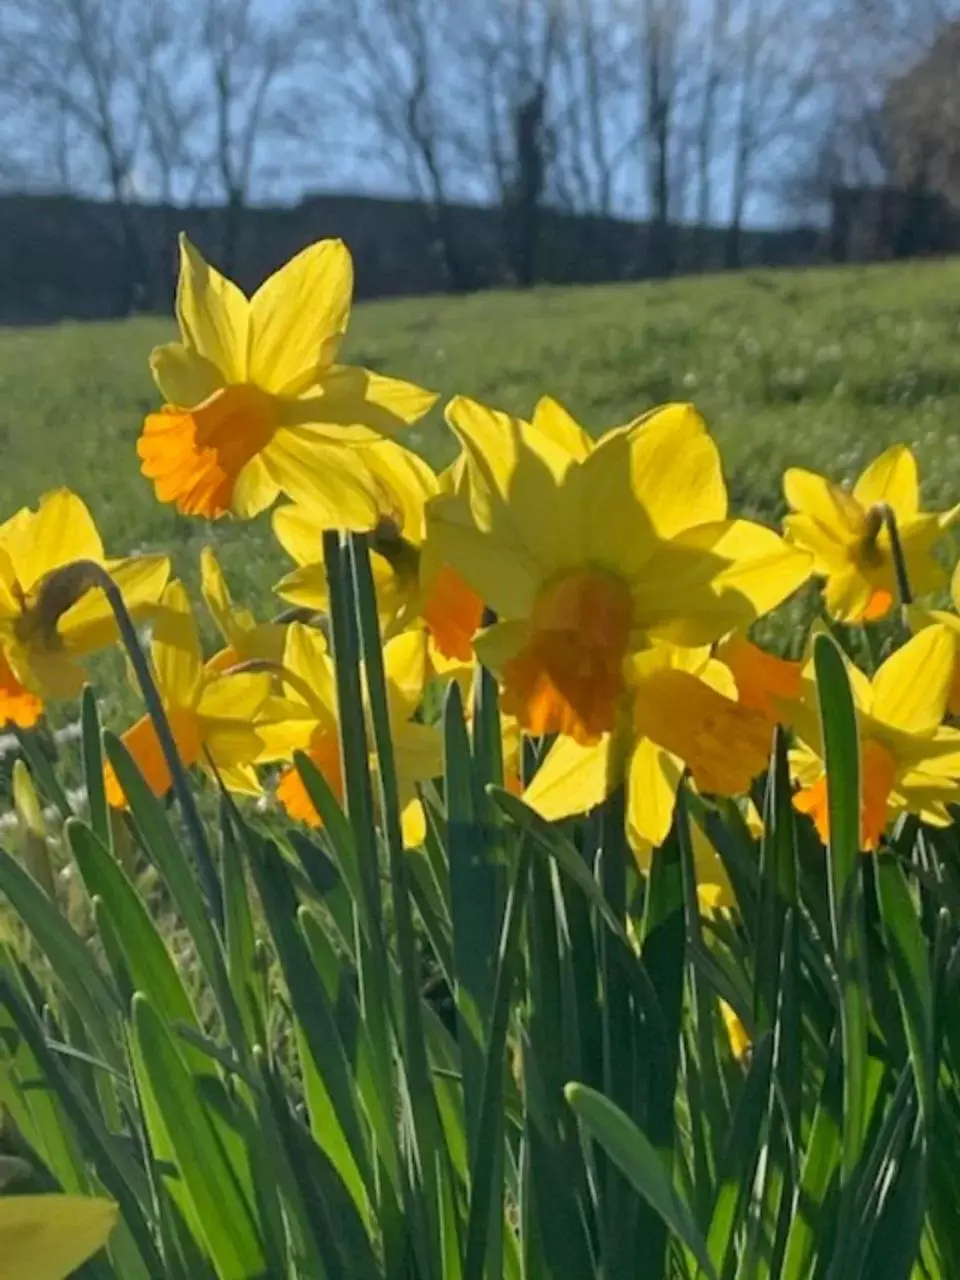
x=639, y=1162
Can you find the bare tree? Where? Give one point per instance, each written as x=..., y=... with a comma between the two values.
x=79, y=71
x=251, y=52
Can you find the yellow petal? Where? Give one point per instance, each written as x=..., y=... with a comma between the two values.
x=516, y=490
x=48, y=1237
x=175, y=649
x=712, y=878
x=306, y=588
x=911, y=688
x=253, y=490
x=675, y=469
x=507, y=582
x=234, y=697
x=306, y=657
x=406, y=665
x=419, y=754
x=59, y=532
x=652, y=780
x=826, y=502
x=572, y=779
x=213, y=314
x=298, y=316
x=311, y=470
x=184, y=377
x=891, y=479
x=552, y=420
x=625, y=538
x=350, y=405
x=241, y=779
x=89, y=624
x=230, y=745
x=830, y=551
x=847, y=594
x=413, y=824
x=714, y=579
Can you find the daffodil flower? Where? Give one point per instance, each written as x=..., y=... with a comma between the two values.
x=48, y=1237
x=50, y=615
x=909, y=762
x=589, y=553
x=245, y=639
x=305, y=719
x=848, y=535
x=255, y=401
x=388, y=501
x=212, y=715
x=683, y=714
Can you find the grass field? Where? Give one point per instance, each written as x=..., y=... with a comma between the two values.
x=821, y=368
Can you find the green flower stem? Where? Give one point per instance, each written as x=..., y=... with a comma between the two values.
x=899, y=562
x=88, y=574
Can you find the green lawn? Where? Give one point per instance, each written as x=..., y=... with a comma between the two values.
x=822, y=368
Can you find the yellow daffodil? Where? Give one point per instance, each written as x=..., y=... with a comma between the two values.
x=255, y=401
x=245, y=639
x=305, y=719
x=388, y=501
x=212, y=715
x=909, y=762
x=589, y=553
x=683, y=713
x=918, y=618
x=847, y=534
x=48, y=1237
x=49, y=616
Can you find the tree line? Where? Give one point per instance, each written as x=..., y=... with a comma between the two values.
x=704, y=113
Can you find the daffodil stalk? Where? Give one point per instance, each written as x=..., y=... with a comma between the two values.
x=899, y=559
x=61, y=590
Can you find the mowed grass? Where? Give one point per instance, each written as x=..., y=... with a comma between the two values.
x=821, y=368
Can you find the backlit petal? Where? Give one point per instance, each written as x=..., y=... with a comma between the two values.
x=497, y=644
x=351, y=405
x=298, y=316
x=254, y=489
x=572, y=779
x=847, y=594
x=553, y=421
x=48, y=1237
x=213, y=314
x=183, y=376
x=175, y=649
x=507, y=578
x=652, y=780
x=59, y=532
x=309, y=469
x=405, y=661
x=234, y=697
x=911, y=688
x=676, y=471
x=816, y=496
x=891, y=479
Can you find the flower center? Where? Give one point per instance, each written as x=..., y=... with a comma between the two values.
x=453, y=612
x=724, y=744
x=568, y=678
x=878, y=774
x=324, y=752
x=17, y=705
x=194, y=456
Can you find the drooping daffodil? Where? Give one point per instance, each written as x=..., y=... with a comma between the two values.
x=255, y=400
x=244, y=639
x=388, y=501
x=848, y=534
x=51, y=614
